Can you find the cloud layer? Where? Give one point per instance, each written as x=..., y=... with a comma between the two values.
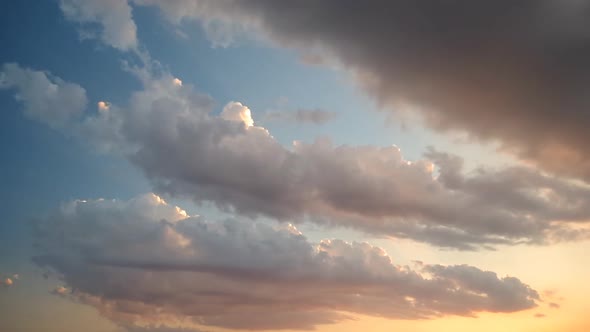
x=172, y=134
x=146, y=263
x=513, y=72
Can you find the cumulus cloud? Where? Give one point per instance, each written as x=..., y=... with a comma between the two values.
x=114, y=17
x=314, y=116
x=46, y=98
x=235, y=111
x=6, y=282
x=145, y=263
x=506, y=71
x=103, y=106
x=60, y=291
x=173, y=135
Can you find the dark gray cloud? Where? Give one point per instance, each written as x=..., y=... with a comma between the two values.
x=313, y=116
x=513, y=71
x=145, y=263
x=172, y=134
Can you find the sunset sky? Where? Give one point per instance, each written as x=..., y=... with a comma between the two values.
x=263, y=165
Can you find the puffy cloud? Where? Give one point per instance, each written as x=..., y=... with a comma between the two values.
x=145, y=264
x=117, y=27
x=235, y=111
x=314, y=116
x=7, y=282
x=60, y=291
x=103, y=106
x=46, y=98
x=172, y=134
x=513, y=72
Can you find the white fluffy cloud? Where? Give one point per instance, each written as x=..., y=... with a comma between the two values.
x=235, y=111
x=146, y=263
x=117, y=27
x=46, y=98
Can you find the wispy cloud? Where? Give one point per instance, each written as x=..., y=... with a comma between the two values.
x=302, y=116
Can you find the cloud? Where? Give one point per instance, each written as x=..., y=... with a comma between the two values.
x=103, y=106
x=7, y=282
x=512, y=72
x=114, y=17
x=173, y=135
x=46, y=98
x=314, y=116
x=235, y=111
x=143, y=262
x=60, y=291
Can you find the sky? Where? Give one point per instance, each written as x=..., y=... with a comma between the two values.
x=201, y=165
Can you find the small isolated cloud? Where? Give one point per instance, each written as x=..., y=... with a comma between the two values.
x=7, y=282
x=114, y=17
x=554, y=305
x=540, y=315
x=149, y=264
x=176, y=81
x=46, y=98
x=313, y=116
x=60, y=291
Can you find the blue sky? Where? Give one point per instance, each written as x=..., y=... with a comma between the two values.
x=150, y=180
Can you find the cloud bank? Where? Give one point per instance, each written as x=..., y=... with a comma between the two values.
x=172, y=134
x=145, y=263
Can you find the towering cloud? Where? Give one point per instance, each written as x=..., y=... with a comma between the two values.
x=516, y=72
x=145, y=263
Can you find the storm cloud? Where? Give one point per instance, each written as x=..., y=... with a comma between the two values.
x=143, y=263
x=515, y=72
